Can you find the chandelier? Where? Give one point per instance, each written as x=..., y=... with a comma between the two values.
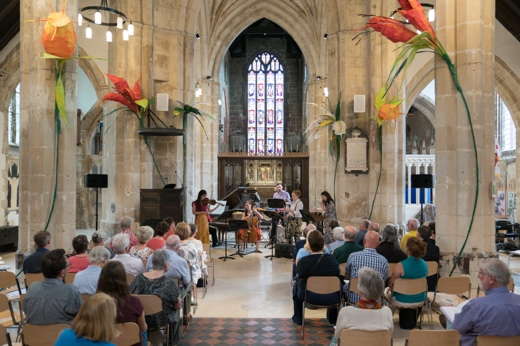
x=104, y=15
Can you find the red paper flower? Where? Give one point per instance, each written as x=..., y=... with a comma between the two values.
x=124, y=94
x=414, y=12
x=394, y=30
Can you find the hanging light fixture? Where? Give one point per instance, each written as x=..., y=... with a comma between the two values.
x=104, y=15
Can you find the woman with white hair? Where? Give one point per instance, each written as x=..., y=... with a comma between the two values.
x=120, y=245
x=339, y=239
x=369, y=313
x=86, y=281
x=144, y=233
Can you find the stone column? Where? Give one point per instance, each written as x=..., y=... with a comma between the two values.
x=466, y=28
x=38, y=135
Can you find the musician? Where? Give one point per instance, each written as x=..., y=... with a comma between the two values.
x=279, y=193
x=294, y=217
x=253, y=218
x=201, y=209
x=328, y=208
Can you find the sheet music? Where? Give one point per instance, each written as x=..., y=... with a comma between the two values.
x=220, y=208
x=451, y=311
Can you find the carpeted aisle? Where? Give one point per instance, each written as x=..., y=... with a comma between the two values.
x=247, y=331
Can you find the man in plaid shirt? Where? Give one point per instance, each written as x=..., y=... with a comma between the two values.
x=366, y=258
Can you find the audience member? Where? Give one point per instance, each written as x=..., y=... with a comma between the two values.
x=189, y=251
x=337, y=235
x=301, y=242
x=98, y=239
x=369, y=313
x=349, y=246
x=201, y=254
x=112, y=281
x=157, y=242
x=177, y=266
x=374, y=226
x=94, y=325
x=157, y=283
x=363, y=229
x=498, y=313
x=412, y=226
x=32, y=264
x=51, y=301
x=86, y=281
x=79, y=261
x=389, y=247
x=306, y=249
x=316, y=264
x=144, y=234
x=414, y=267
x=171, y=227
x=368, y=257
x=120, y=245
x=432, y=253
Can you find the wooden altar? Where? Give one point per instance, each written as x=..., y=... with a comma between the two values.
x=263, y=172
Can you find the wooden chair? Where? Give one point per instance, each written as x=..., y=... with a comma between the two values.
x=211, y=265
x=351, y=337
x=129, y=334
x=392, y=268
x=130, y=278
x=343, y=269
x=5, y=305
x=9, y=282
x=320, y=285
x=152, y=304
x=409, y=287
x=498, y=340
x=4, y=337
x=419, y=337
x=33, y=335
x=32, y=278
x=433, y=268
x=451, y=291
x=69, y=278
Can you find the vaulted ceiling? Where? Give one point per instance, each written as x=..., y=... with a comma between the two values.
x=507, y=12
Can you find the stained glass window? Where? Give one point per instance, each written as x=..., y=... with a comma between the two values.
x=265, y=112
x=13, y=120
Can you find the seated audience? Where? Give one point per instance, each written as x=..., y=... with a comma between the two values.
x=94, y=325
x=374, y=226
x=306, y=249
x=98, y=239
x=316, y=264
x=144, y=234
x=177, y=266
x=79, y=261
x=32, y=264
x=171, y=227
x=349, y=246
x=157, y=242
x=368, y=257
x=389, y=247
x=337, y=235
x=369, y=313
x=432, y=253
x=414, y=267
x=498, y=313
x=301, y=242
x=202, y=256
x=412, y=226
x=363, y=229
x=125, y=227
x=51, y=301
x=156, y=282
x=112, y=281
x=86, y=281
x=120, y=245
x=189, y=251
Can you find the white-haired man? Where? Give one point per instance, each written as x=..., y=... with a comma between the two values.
x=120, y=245
x=177, y=266
x=498, y=313
x=412, y=226
x=86, y=281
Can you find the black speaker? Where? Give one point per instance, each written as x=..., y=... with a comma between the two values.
x=424, y=181
x=96, y=180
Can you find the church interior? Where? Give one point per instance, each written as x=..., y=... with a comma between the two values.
x=259, y=172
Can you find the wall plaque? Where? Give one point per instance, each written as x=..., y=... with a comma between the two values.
x=356, y=152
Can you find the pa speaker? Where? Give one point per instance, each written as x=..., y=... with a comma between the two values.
x=96, y=180
x=422, y=181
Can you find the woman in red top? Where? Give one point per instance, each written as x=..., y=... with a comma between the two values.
x=79, y=261
x=200, y=208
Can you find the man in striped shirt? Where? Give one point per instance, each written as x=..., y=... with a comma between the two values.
x=367, y=258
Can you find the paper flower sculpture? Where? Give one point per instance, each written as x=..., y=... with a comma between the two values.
x=58, y=36
x=130, y=98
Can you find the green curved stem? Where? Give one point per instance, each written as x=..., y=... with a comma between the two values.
x=380, y=147
x=458, y=87
x=56, y=165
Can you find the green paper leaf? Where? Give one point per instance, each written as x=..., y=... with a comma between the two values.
x=142, y=102
x=59, y=92
x=46, y=55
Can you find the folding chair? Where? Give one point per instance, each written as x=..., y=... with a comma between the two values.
x=410, y=287
x=31, y=278
x=152, y=305
x=69, y=278
x=129, y=334
x=450, y=292
x=433, y=268
x=320, y=285
x=498, y=340
x=433, y=338
x=392, y=268
x=343, y=269
x=9, y=283
x=211, y=264
x=4, y=337
x=33, y=335
x=5, y=305
x=352, y=337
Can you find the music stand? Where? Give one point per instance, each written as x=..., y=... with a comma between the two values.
x=274, y=203
x=235, y=226
x=306, y=216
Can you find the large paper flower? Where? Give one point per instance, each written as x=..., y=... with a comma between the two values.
x=414, y=12
x=392, y=29
x=129, y=97
x=58, y=36
x=339, y=127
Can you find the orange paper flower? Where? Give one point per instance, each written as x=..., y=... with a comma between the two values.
x=414, y=12
x=389, y=111
x=394, y=30
x=124, y=94
x=58, y=36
